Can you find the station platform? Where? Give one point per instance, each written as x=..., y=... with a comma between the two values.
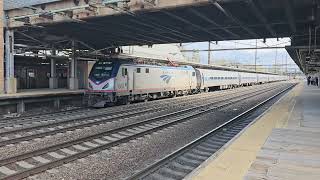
x=20, y=101
x=283, y=143
x=31, y=93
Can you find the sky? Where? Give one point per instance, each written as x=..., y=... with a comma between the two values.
x=264, y=56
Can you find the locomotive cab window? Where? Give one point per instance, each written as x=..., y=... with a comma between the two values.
x=124, y=71
x=147, y=70
x=138, y=70
x=102, y=70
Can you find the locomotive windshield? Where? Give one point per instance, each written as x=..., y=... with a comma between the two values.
x=102, y=70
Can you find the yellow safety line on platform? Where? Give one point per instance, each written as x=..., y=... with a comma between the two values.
x=234, y=162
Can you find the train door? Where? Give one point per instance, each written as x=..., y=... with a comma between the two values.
x=190, y=79
x=202, y=79
x=192, y=75
x=240, y=79
x=130, y=79
x=122, y=82
x=198, y=75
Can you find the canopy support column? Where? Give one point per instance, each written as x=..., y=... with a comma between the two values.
x=53, y=81
x=73, y=69
x=10, y=81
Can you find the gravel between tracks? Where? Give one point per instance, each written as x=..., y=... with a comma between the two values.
x=123, y=160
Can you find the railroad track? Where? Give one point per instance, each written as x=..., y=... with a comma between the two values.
x=30, y=163
x=88, y=113
x=43, y=130
x=92, y=113
x=180, y=163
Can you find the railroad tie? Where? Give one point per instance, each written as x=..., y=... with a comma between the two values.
x=25, y=164
x=100, y=141
x=109, y=138
x=56, y=155
x=6, y=171
x=157, y=176
x=190, y=161
x=181, y=166
x=68, y=151
x=173, y=172
x=41, y=159
x=79, y=147
x=90, y=144
x=195, y=156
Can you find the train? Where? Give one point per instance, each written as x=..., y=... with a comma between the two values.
x=116, y=81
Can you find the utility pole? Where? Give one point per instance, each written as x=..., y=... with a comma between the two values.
x=286, y=64
x=209, y=53
x=256, y=56
x=275, y=62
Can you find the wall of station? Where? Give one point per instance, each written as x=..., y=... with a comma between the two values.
x=34, y=73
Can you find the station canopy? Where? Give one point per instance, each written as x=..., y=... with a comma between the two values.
x=128, y=23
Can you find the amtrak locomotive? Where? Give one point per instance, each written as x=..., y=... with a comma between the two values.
x=118, y=81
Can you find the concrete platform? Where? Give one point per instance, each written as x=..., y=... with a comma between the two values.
x=284, y=143
x=18, y=102
x=33, y=93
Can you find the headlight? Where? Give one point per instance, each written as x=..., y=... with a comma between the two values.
x=106, y=86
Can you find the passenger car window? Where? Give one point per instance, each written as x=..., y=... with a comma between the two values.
x=147, y=70
x=138, y=70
